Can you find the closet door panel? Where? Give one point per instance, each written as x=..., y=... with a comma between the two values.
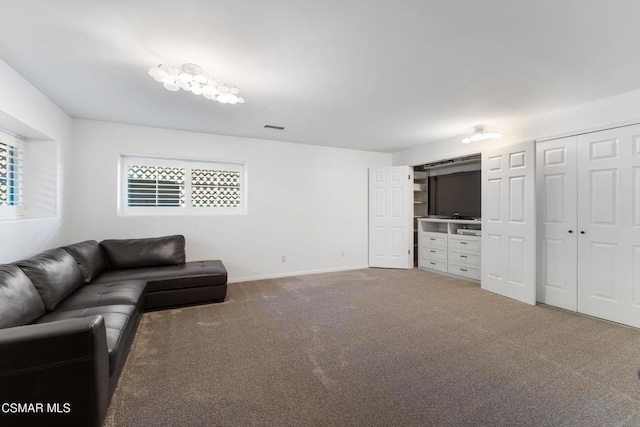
x=508, y=222
x=636, y=276
x=391, y=217
x=609, y=224
x=557, y=221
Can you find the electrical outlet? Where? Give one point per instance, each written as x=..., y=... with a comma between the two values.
x=284, y=258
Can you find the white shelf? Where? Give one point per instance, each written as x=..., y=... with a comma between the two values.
x=452, y=221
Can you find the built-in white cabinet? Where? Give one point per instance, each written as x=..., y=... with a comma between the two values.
x=449, y=246
x=464, y=256
x=588, y=211
x=432, y=250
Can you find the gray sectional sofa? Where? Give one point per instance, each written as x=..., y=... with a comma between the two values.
x=68, y=317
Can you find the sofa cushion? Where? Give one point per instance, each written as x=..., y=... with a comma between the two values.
x=89, y=257
x=129, y=292
x=54, y=273
x=139, y=253
x=20, y=303
x=188, y=275
x=120, y=322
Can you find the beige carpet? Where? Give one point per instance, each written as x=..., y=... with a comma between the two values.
x=377, y=348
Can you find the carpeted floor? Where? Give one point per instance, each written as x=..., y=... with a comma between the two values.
x=377, y=347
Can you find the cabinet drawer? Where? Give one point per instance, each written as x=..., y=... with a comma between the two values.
x=462, y=258
x=433, y=265
x=433, y=254
x=464, y=242
x=433, y=240
x=461, y=270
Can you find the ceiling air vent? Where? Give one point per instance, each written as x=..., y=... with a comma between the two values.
x=274, y=127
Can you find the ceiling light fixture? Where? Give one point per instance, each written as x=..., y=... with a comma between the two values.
x=189, y=77
x=480, y=133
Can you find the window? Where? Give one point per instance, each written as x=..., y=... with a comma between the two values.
x=164, y=186
x=11, y=177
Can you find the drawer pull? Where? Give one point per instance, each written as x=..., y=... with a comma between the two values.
x=432, y=263
x=432, y=238
x=462, y=269
x=463, y=256
x=463, y=243
x=433, y=252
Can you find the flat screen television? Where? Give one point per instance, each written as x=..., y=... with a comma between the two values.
x=455, y=195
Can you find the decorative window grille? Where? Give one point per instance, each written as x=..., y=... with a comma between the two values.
x=211, y=188
x=11, y=176
x=161, y=186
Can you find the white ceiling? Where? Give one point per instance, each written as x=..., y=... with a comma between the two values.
x=363, y=74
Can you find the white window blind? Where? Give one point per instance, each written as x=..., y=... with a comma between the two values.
x=155, y=186
x=165, y=186
x=11, y=175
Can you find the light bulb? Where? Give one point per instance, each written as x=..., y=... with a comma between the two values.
x=186, y=77
x=171, y=86
x=196, y=89
x=223, y=89
x=234, y=90
x=209, y=95
x=200, y=78
x=240, y=100
x=466, y=140
x=158, y=73
x=232, y=98
x=208, y=89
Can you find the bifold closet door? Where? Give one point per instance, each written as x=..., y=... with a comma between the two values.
x=508, y=222
x=556, y=185
x=609, y=224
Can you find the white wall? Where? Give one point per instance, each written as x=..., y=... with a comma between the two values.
x=47, y=130
x=620, y=109
x=305, y=202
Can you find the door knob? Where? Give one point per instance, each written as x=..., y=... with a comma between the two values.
x=570, y=231
x=582, y=232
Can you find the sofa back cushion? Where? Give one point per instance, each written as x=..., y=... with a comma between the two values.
x=89, y=257
x=138, y=253
x=54, y=273
x=20, y=303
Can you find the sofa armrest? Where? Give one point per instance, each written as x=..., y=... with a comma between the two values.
x=54, y=373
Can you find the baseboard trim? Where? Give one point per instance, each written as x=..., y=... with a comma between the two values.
x=295, y=273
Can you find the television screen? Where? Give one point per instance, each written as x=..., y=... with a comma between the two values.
x=456, y=194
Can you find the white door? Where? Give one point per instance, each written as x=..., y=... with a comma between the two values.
x=508, y=222
x=391, y=217
x=556, y=188
x=609, y=224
